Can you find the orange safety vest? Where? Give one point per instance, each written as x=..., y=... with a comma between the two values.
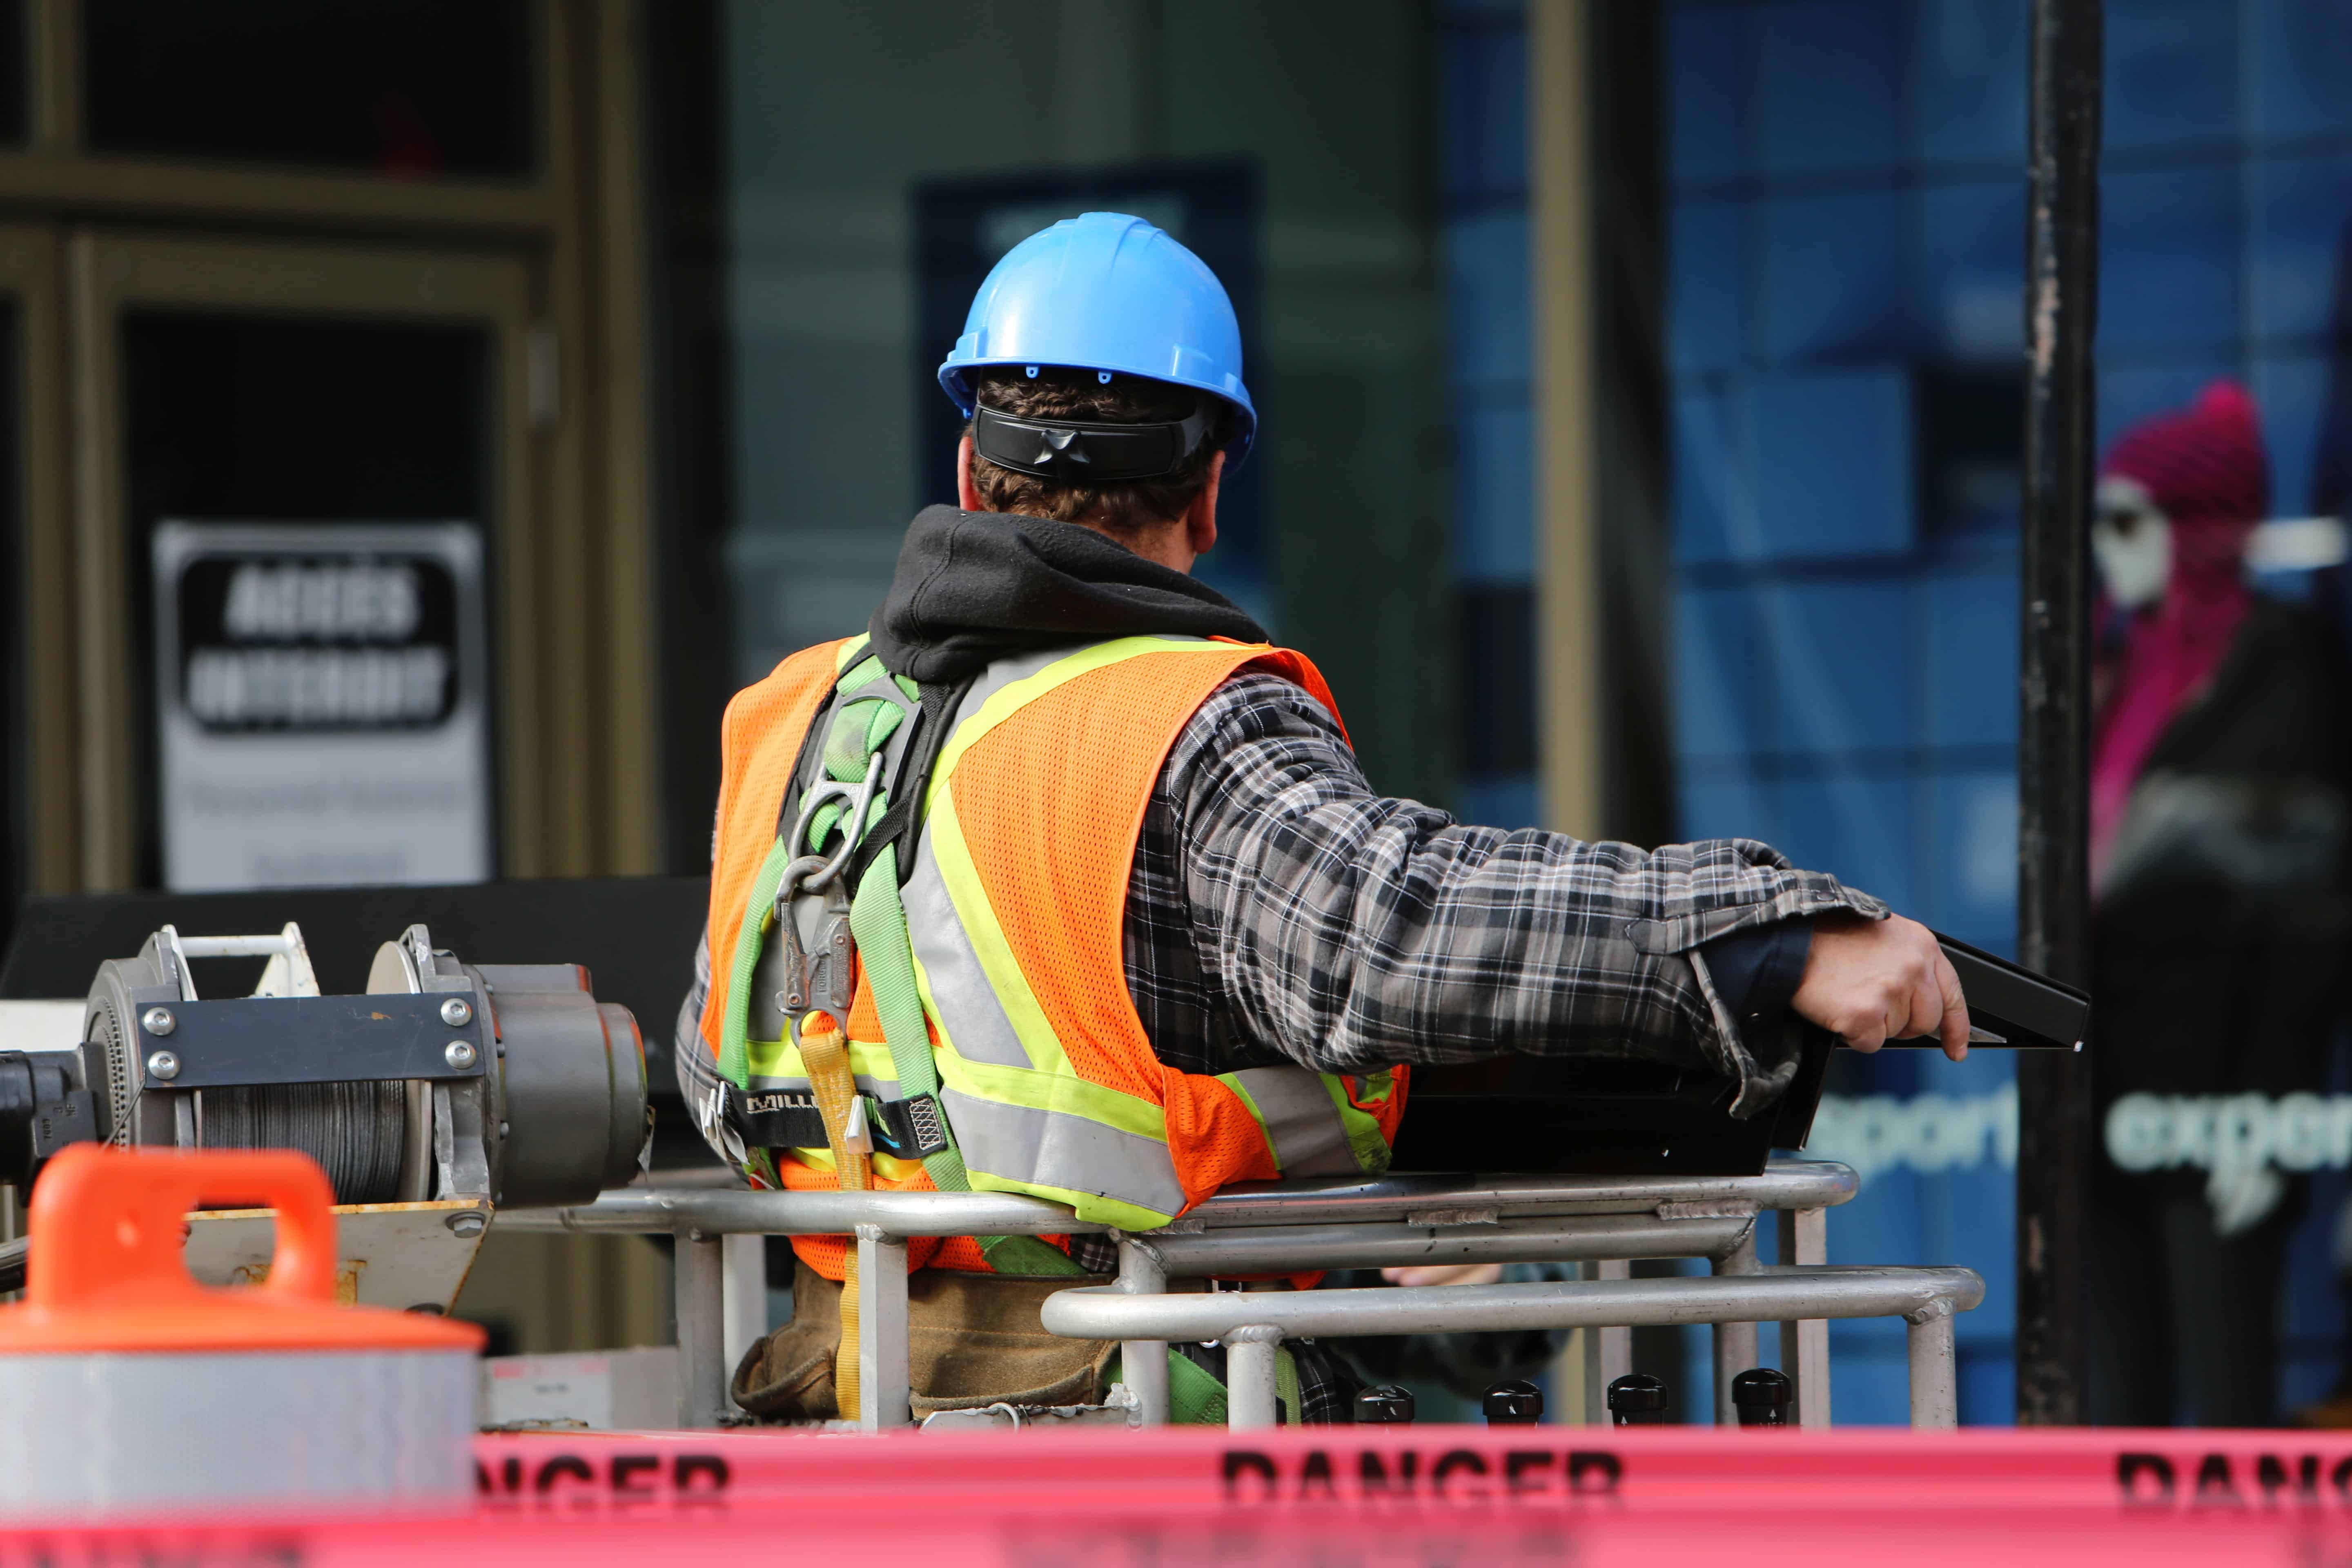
x=1014, y=904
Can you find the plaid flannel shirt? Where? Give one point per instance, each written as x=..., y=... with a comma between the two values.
x=1279, y=910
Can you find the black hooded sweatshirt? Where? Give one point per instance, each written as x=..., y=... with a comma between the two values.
x=976, y=586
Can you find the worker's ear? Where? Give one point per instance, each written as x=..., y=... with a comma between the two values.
x=967, y=493
x=1201, y=517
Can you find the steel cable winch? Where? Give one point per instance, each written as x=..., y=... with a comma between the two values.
x=509, y=1083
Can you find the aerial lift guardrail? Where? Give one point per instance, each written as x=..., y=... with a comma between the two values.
x=1599, y=1221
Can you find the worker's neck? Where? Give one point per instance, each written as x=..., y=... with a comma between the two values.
x=1165, y=542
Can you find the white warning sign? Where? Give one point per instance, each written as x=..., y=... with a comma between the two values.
x=322, y=704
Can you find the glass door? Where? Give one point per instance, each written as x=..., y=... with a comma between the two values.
x=305, y=529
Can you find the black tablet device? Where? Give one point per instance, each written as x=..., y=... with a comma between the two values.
x=1604, y=1116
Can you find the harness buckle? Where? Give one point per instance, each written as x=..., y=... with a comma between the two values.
x=830, y=988
x=793, y=1000
x=823, y=981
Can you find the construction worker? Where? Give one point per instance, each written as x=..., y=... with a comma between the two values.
x=1129, y=924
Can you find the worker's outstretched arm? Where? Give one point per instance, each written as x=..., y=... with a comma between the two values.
x=1352, y=930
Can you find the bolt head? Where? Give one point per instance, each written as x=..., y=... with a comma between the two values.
x=470, y=1222
x=461, y=1055
x=158, y=1021
x=456, y=1012
x=163, y=1064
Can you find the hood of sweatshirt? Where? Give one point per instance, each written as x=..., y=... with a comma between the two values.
x=972, y=588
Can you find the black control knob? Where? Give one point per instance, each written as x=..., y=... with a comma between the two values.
x=1514, y=1403
x=1637, y=1399
x=1762, y=1397
x=1386, y=1403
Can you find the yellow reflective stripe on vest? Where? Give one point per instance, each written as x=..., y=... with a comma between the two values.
x=1364, y=1135
x=1010, y=698
x=776, y=1059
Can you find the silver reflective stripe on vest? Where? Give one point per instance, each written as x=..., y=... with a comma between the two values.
x=1301, y=1123
x=1045, y=1148
x=969, y=1012
x=1003, y=673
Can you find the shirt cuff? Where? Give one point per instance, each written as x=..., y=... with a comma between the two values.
x=1757, y=971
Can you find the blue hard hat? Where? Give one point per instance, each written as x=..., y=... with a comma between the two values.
x=1105, y=292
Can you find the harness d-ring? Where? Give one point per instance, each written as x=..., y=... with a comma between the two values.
x=860, y=796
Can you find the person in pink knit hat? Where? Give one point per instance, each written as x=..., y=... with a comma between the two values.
x=2218, y=815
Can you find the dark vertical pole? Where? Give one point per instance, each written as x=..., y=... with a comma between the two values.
x=2055, y=1135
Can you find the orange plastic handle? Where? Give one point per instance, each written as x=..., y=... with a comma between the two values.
x=106, y=1224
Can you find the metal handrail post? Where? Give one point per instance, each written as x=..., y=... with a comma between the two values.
x=699, y=1291
x=1608, y=1351
x=743, y=1262
x=884, y=1399
x=1735, y=1343
x=1143, y=1363
x=1935, y=1367
x=1805, y=1342
x=1252, y=1402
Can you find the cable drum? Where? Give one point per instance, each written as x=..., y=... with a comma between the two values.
x=355, y=1130
x=543, y=1100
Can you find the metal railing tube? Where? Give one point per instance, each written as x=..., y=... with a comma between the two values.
x=883, y=1397
x=1251, y=1403
x=719, y=1212
x=1784, y=1184
x=1608, y=1351
x=1735, y=1343
x=1143, y=1363
x=1105, y=1313
x=1935, y=1367
x=1805, y=1342
x=698, y=1280
x=1283, y=1248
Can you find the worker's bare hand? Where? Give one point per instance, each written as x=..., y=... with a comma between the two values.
x=1444, y=1274
x=1874, y=981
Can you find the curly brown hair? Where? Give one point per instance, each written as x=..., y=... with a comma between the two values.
x=1121, y=506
